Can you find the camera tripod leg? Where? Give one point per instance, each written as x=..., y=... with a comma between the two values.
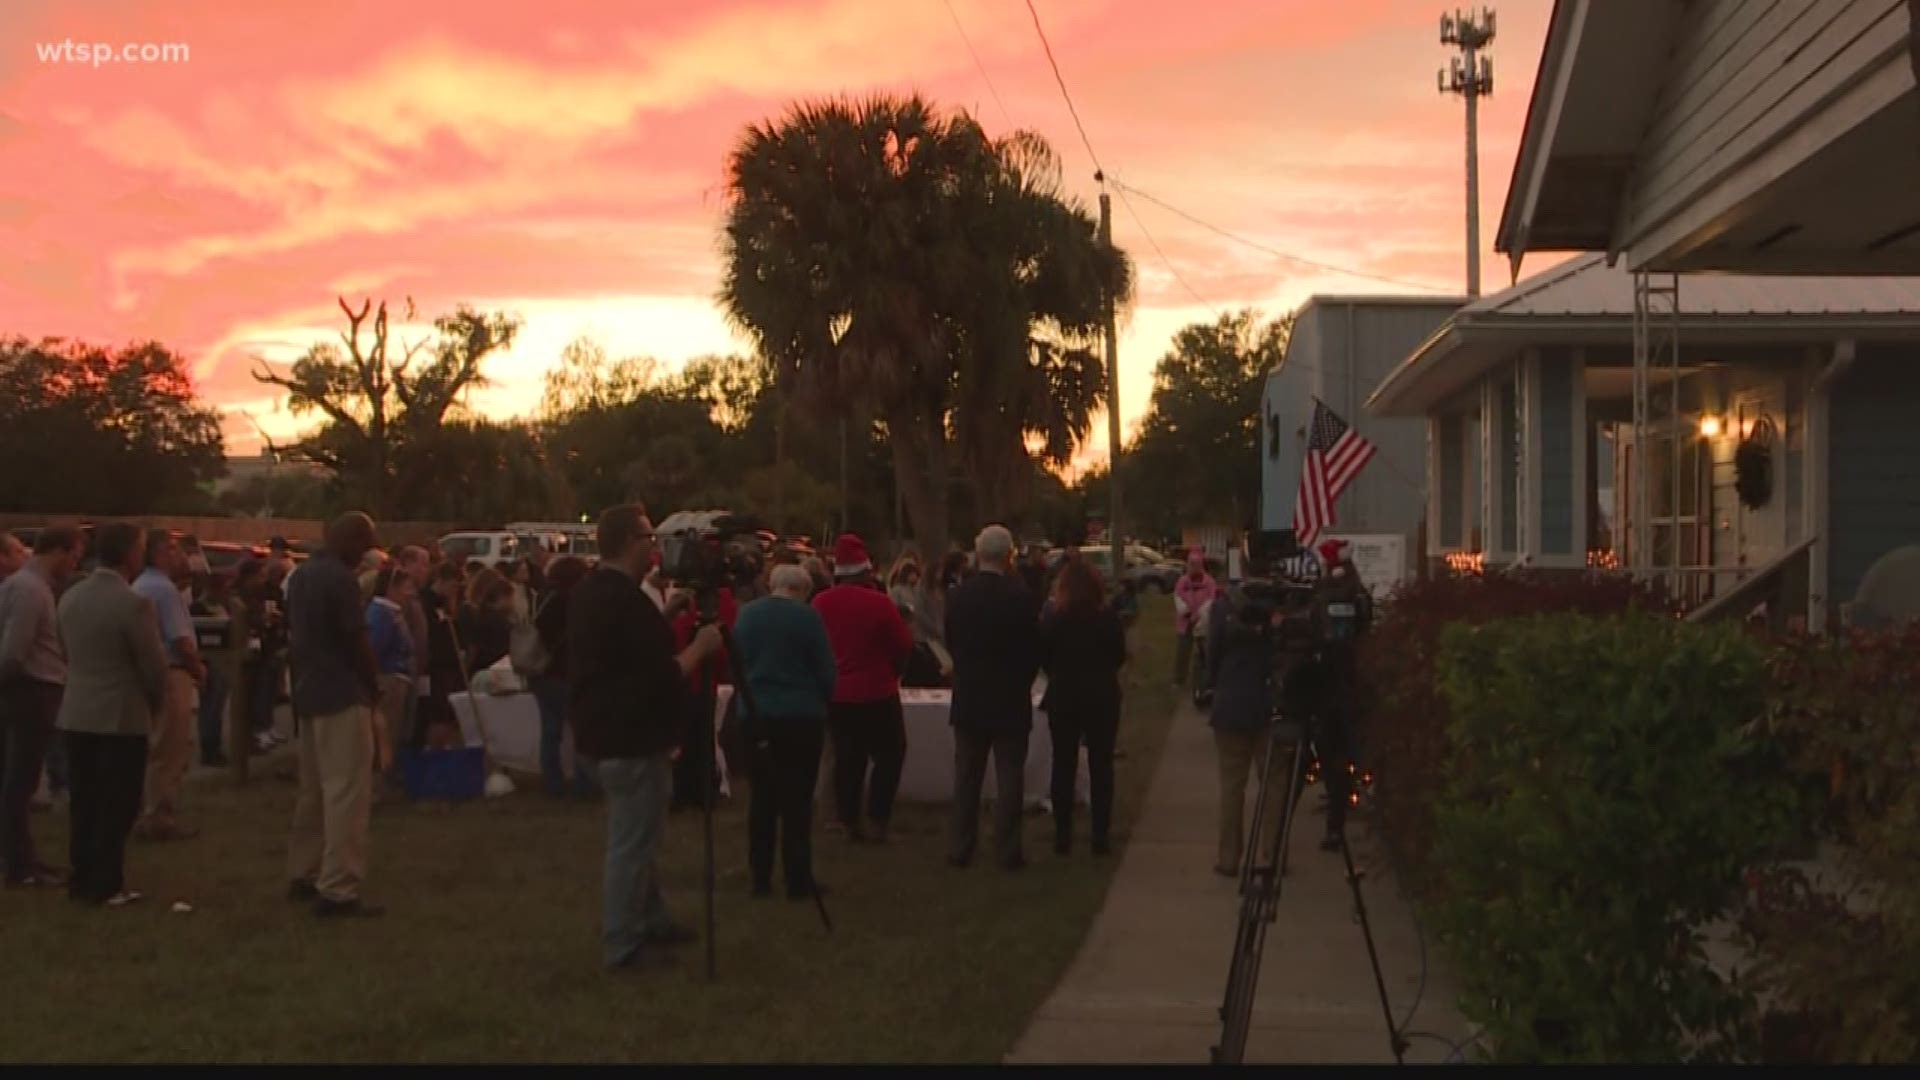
x=1398, y=1043
x=1260, y=899
x=712, y=778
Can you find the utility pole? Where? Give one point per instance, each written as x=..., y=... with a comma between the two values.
x=1470, y=75
x=1114, y=536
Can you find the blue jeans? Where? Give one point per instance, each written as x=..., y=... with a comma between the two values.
x=638, y=790
x=551, y=695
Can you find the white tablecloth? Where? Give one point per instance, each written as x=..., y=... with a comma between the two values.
x=927, y=774
x=513, y=732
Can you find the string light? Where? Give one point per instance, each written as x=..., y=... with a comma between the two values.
x=1466, y=562
x=1603, y=560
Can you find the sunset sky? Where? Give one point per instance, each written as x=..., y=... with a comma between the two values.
x=564, y=160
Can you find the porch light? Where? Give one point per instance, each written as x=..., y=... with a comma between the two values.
x=1710, y=426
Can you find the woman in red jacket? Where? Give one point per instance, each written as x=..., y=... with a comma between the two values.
x=871, y=644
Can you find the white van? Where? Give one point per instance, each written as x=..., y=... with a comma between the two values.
x=558, y=537
x=490, y=548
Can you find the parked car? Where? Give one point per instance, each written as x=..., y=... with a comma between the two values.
x=223, y=556
x=1144, y=569
x=489, y=548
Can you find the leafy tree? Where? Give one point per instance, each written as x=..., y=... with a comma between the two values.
x=378, y=399
x=584, y=380
x=893, y=264
x=480, y=472
x=88, y=430
x=1196, y=458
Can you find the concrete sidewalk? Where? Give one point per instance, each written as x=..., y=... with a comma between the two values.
x=1147, y=983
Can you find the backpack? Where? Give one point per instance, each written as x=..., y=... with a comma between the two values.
x=527, y=653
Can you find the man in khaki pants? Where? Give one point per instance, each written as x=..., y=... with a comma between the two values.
x=335, y=688
x=175, y=729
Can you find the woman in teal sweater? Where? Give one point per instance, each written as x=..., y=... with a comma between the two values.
x=788, y=665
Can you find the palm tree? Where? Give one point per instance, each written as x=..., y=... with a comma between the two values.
x=1034, y=379
x=893, y=263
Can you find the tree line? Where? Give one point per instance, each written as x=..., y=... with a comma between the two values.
x=925, y=303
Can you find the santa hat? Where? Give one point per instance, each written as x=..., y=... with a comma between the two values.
x=850, y=557
x=1330, y=552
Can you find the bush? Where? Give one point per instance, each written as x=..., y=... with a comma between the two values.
x=1842, y=958
x=1402, y=717
x=1600, y=809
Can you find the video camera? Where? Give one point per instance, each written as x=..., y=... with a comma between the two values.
x=705, y=551
x=1302, y=608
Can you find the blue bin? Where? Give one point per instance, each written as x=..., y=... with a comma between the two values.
x=445, y=774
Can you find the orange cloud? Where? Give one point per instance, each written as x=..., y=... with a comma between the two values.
x=565, y=159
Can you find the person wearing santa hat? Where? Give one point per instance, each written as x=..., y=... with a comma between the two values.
x=871, y=644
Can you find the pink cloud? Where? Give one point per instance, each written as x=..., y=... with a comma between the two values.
x=551, y=156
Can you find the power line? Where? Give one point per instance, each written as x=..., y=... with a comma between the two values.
x=1135, y=214
x=1168, y=263
x=978, y=66
x=1058, y=78
x=1276, y=252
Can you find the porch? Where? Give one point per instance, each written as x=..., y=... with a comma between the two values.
x=1693, y=446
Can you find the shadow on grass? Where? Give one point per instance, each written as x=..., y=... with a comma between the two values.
x=490, y=951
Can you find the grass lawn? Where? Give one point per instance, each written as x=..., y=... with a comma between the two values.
x=490, y=948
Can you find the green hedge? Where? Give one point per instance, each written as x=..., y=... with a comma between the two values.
x=1840, y=952
x=1403, y=718
x=1601, y=805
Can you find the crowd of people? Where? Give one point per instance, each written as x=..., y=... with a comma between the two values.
x=106, y=687
x=367, y=648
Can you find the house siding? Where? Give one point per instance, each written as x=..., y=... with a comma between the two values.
x=1506, y=457
x=1557, y=478
x=1750, y=73
x=1874, y=473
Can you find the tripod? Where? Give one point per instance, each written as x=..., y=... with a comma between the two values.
x=757, y=743
x=1260, y=886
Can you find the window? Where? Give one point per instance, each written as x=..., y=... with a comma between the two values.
x=1678, y=535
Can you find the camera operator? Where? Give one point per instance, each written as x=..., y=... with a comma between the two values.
x=1342, y=611
x=1240, y=663
x=627, y=706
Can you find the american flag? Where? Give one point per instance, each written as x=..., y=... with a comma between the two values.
x=1335, y=455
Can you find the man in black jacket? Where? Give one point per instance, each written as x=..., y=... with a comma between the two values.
x=627, y=705
x=993, y=633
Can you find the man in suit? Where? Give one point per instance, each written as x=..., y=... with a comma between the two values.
x=993, y=632
x=116, y=689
